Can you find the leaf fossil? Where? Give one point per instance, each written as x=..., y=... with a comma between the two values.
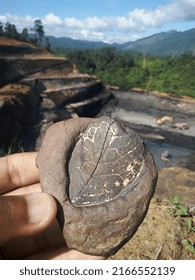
x=105, y=163
x=103, y=176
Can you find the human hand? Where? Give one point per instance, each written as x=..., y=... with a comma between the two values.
x=28, y=228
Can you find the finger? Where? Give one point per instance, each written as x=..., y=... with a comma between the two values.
x=48, y=239
x=25, y=190
x=25, y=215
x=18, y=170
x=64, y=253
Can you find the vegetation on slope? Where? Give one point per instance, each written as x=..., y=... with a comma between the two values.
x=128, y=69
x=37, y=37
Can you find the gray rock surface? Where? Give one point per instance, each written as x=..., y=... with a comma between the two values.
x=103, y=177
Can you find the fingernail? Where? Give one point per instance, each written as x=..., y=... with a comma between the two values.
x=38, y=206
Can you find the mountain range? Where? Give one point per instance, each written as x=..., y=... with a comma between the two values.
x=165, y=43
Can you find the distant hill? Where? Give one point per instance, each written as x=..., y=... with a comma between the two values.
x=165, y=43
x=64, y=42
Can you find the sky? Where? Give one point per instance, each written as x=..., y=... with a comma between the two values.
x=101, y=20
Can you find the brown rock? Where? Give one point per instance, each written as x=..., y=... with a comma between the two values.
x=103, y=177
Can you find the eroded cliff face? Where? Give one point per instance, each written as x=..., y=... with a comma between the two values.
x=36, y=90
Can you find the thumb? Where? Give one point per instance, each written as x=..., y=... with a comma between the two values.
x=24, y=215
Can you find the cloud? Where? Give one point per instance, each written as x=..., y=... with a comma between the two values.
x=89, y=23
x=137, y=20
x=51, y=19
x=18, y=21
x=174, y=11
x=187, y=10
x=125, y=23
x=95, y=36
x=135, y=24
x=73, y=23
x=95, y=23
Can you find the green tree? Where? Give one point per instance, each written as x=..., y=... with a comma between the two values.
x=48, y=45
x=24, y=35
x=39, y=31
x=11, y=31
x=104, y=57
x=125, y=69
x=1, y=29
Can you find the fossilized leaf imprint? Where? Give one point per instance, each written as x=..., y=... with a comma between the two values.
x=107, y=161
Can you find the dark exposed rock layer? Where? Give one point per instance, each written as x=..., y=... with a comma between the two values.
x=36, y=90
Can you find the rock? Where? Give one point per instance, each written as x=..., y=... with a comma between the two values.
x=166, y=156
x=181, y=126
x=103, y=177
x=164, y=120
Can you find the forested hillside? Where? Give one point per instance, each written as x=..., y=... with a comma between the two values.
x=166, y=43
x=128, y=69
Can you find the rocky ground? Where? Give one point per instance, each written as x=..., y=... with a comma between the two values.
x=162, y=236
